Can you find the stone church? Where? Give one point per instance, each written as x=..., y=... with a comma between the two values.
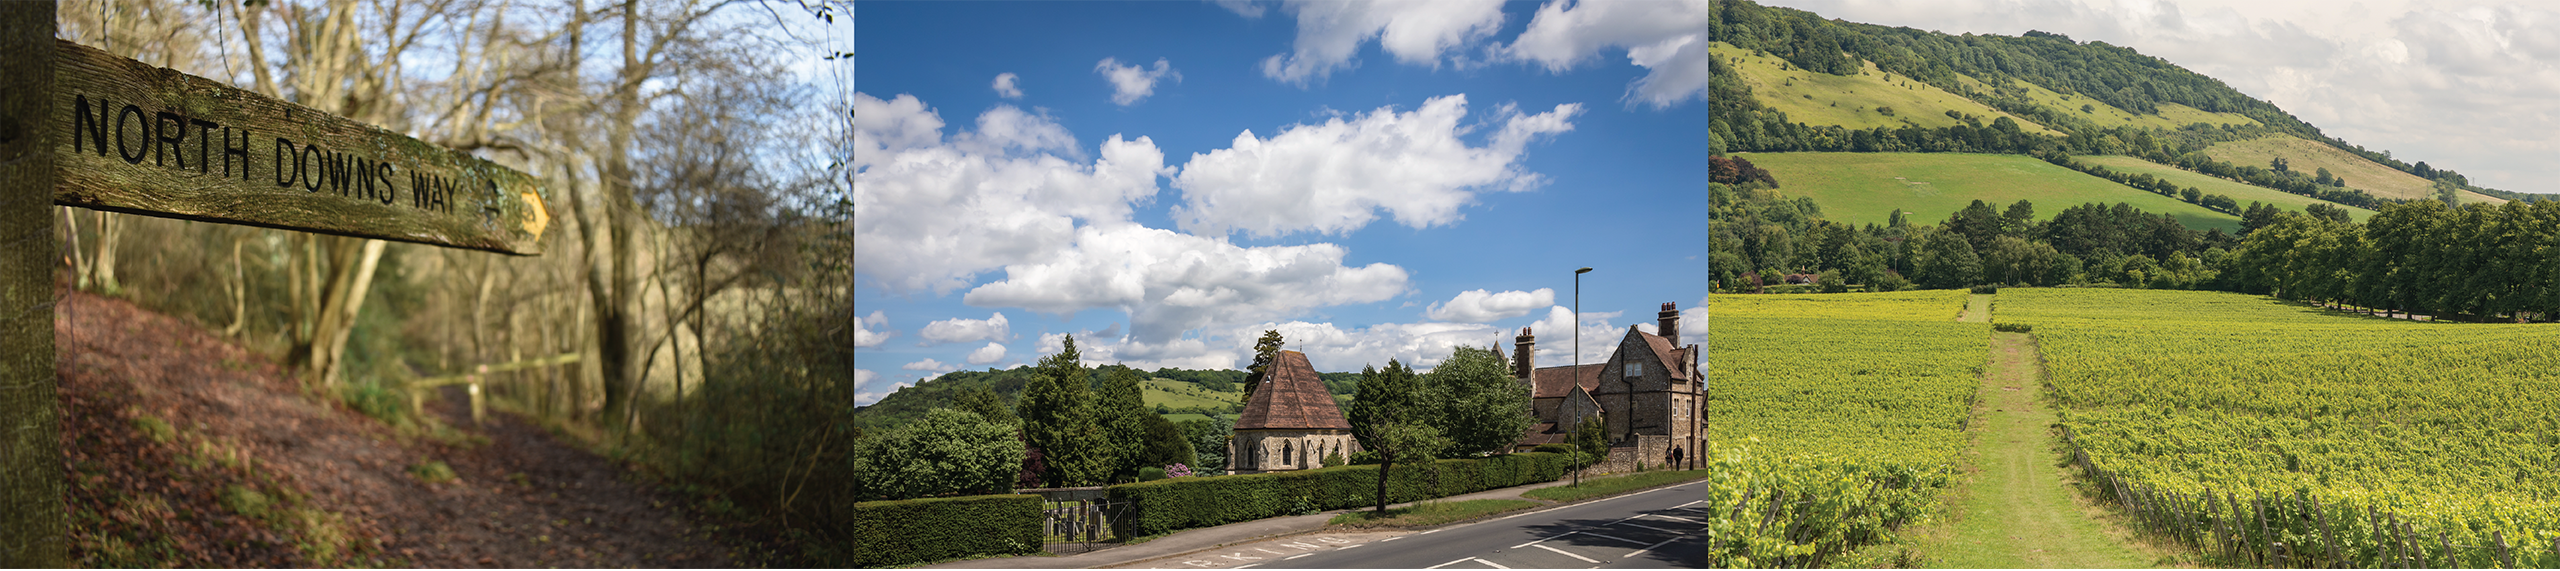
x=1291, y=423
x=1650, y=395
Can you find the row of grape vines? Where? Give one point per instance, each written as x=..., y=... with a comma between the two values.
x=2286, y=435
x=1834, y=420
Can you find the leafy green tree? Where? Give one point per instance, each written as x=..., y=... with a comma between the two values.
x=1122, y=411
x=1209, y=441
x=1265, y=352
x=1059, y=418
x=1392, y=418
x=1165, y=444
x=1593, y=438
x=1947, y=261
x=1394, y=392
x=984, y=402
x=1482, y=408
x=947, y=452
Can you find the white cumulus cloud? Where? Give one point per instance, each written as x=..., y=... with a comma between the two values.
x=930, y=214
x=865, y=395
x=956, y=330
x=1007, y=85
x=1130, y=83
x=1171, y=282
x=1555, y=336
x=864, y=336
x=1480, y=306
x=991, y=353
x=1333, y=177
x=1419, y=345
x=1667, y=38
x=1331, y=32
x=930, y=365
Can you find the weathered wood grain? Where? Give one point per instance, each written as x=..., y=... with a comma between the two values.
x=33, y=526
x=131, y=137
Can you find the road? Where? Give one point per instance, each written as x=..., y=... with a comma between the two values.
x=1662, y=527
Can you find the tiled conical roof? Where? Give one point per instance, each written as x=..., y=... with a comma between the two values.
x=1291, y=397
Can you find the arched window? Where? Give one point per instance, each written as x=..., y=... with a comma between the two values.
x=1288, y=453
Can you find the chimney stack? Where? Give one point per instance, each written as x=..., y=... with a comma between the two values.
x=1669, y=327
x=1524, y=357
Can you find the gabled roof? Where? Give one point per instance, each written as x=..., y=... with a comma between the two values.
x=1554, y=382
x=1291, y=396
x=1674, y=360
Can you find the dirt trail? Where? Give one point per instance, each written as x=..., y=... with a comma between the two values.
x=2017, y=508
x=341, y=485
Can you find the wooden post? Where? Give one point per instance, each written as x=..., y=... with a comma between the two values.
x=2328, y=535
x=476, y=408
x=32, y=524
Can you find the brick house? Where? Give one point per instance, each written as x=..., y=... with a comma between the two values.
x=1291, y=423
x=1650, y=395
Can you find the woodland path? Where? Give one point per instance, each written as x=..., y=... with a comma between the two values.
x=163, y=421
x=2016, y=507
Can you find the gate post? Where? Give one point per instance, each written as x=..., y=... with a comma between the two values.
x=31, y=508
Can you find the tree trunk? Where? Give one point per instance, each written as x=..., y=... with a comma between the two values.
x=355, y=302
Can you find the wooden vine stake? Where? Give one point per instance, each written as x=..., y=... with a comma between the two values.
x=82, y=127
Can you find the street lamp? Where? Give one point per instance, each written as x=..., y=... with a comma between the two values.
x=1576, y=376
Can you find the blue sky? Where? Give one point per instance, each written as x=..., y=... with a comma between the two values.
x=1166, y=180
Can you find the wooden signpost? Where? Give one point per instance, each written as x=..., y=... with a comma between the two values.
x=82, y=127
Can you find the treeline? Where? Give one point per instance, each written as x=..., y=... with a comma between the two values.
x=2474, y=262
x=1760, y=237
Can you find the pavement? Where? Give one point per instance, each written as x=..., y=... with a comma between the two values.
x=1662, y=527
x=1175, y=549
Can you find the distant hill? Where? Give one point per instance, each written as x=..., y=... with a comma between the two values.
x=1865, y=188
x=1786, y=80
x=1184, y=393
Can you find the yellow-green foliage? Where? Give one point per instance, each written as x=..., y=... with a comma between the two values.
x=2453, y=428
x=1853, y=405
x=2244, y=193
x=433, y=472
x=1865, y=188
x=1851, y=101
x=2309, y=156
x=153, y=427
x=2102, y=115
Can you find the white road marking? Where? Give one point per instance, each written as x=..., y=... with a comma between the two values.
x=1266, y=551
x=1295, y=556
x=1428, y=532
x=1240, y=556
x=1244, y=566
x=1450, y=563
x=1536, y=542
x=1672, y=517
x=1391, y=539
x=1490, y=563
x=1301, y=545
x=1652, y=528
x=1691, y=503
x=1616, y=538
x=1569, y=554
x=1646, y=548
x=1349, y=546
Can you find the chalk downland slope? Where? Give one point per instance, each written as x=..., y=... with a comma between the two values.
x=1864, y=188
x=1852, y=101
x=2243, y=192
x=2308, y=156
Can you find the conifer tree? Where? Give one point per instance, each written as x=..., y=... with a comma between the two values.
x=1058, y=416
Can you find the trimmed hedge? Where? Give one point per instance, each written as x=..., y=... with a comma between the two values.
x=906, y=532
x=1183, y=503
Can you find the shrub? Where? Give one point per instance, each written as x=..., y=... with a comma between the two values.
x=2013, y=327
x=1150, y=474
x=907, y=532
x=1183, y=503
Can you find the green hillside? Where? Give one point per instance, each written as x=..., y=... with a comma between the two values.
x=1865, y=188
x=2361, y=174
x=1177, y=394
x=2104, y=115
x=1871, y=98
x=2244, y=193
x=1189, y=391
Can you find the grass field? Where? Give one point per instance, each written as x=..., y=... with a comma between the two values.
x=1851, y=101
x=2448, y=428
x=1863, y=188
x=2243, y=192
x=2171, y=115
x=2307, y=156
x=1596, y=487
x=1178, y=394
x=1178, y=418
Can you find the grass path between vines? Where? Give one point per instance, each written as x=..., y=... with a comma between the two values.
x=2016, y=507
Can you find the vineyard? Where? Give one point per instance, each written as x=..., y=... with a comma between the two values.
x=1833, y=419
x=2286, y=435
